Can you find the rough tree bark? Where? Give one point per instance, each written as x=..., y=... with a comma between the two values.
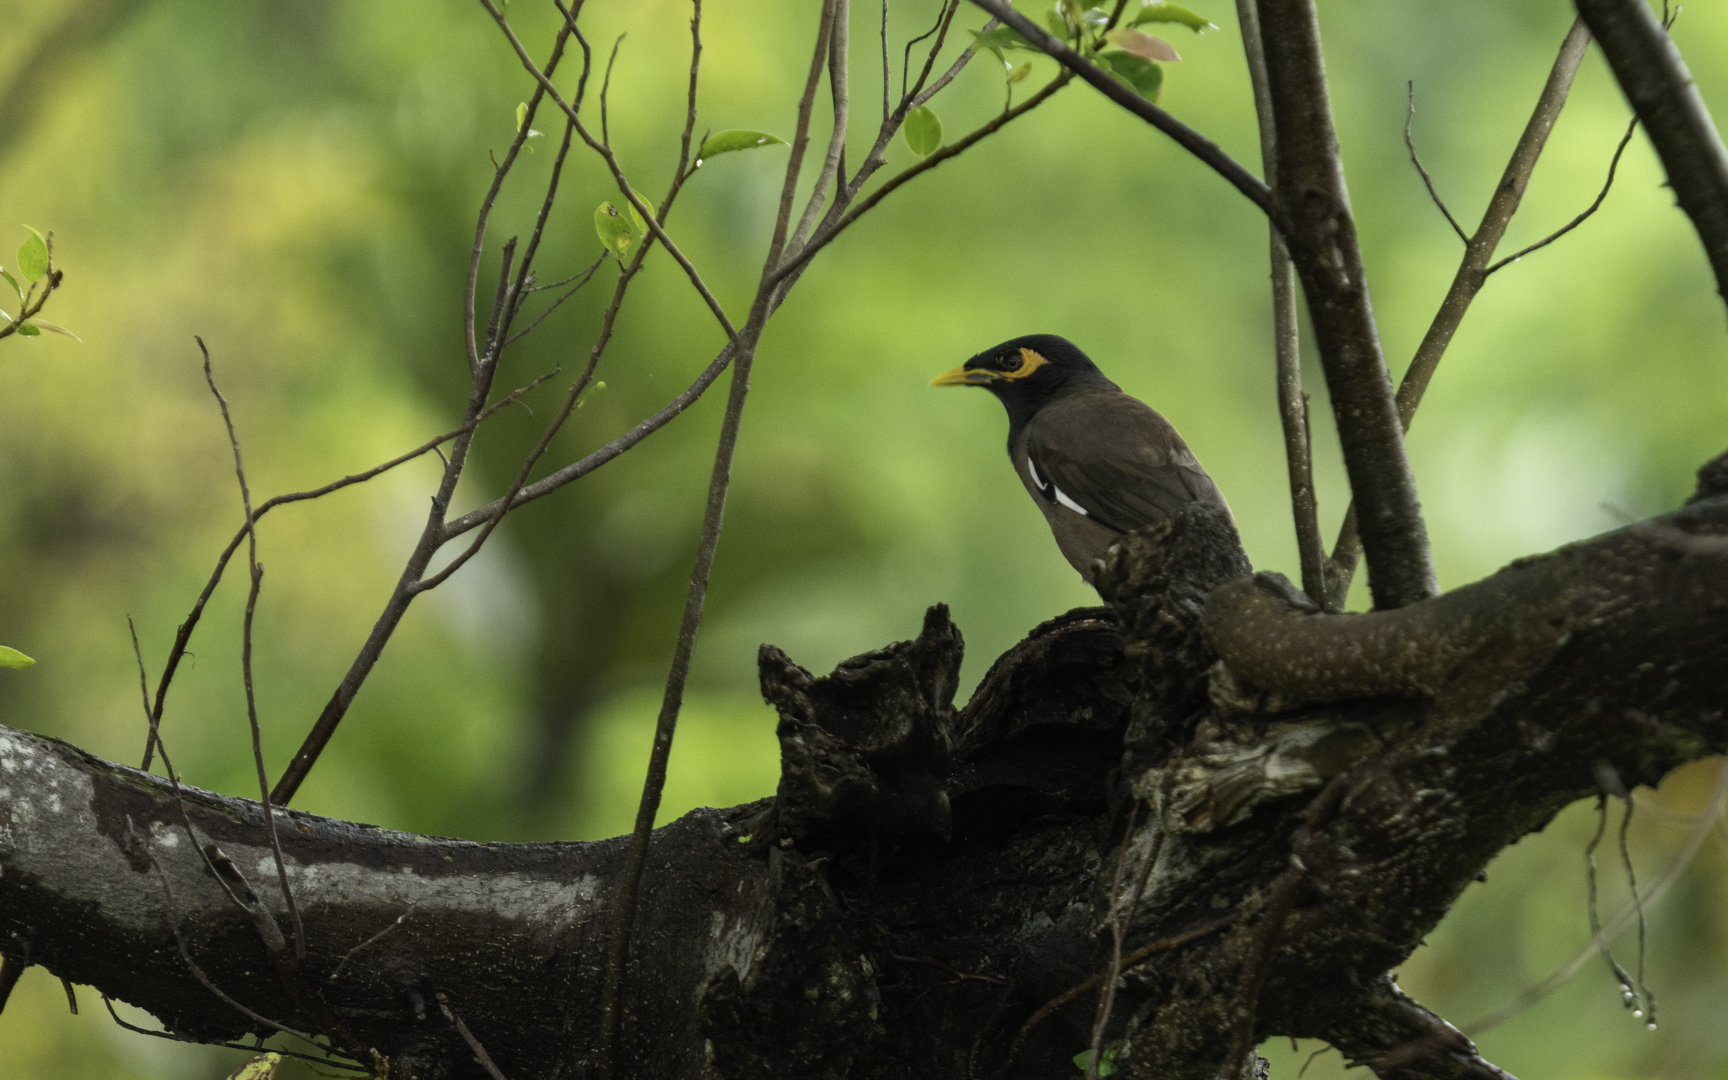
x=927, y=879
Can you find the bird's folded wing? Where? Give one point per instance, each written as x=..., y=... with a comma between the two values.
x=1118, y=461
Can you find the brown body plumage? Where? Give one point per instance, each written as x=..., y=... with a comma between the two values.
x=1098, y=462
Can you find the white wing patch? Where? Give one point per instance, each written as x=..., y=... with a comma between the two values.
x=1062, y=497
x=1036, y=479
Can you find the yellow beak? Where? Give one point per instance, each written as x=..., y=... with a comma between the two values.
x=960, y=376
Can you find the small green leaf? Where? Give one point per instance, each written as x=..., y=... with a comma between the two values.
x=1106, y=1060
x=12, y=281
x=13, y=658
x=33, y=256
x=736, y=139
x=1003, y=37
x=27, y=330
x=262, y=1067
x=1142, y=45
x=1020, y=72
x=923, y=131
x=1057, y=26
x=1142, y=74
x=590, y=392
x=521, y=115
x=620, y=227
x=54, y=328
x=1158, y=11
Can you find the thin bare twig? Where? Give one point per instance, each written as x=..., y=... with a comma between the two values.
x=1138, y=956
x=491, y=197
x=611, y=160
x=495, y=511
x=1286, y=344
x=943, y=14
x=1702, y=826
x=480, y=1053
x=1416, y=160
x=174, y=1037
x=828, y=232
x=1613, y=163
x=838, y=91
x=257, y=575
x=1107, y=993
x=1468, y=281
x=183, y=635
x=373, y=940
x=198, y=972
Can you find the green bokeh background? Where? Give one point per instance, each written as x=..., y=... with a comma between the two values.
x=297, y=183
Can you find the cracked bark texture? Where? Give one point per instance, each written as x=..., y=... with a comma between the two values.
x=928, y=877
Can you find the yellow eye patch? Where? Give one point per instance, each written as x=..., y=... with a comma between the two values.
x=1030, y=361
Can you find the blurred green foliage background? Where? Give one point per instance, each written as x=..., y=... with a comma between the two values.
x=297, y=183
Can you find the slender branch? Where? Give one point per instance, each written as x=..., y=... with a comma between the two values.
x=257, y=574
x=491, y=197
x=1654, y=78
x=1107, y=994
x=585, y=276
x=1473, y=270
x=573, y=400
x=1186, y=137
x=1416, y=160
x=1613, y=164
x=887, y=76
x=1702, y=826
x=578, y=469
x=173, y=1037
x=183, y=635
x=480, y=1053
x=1322, y=235
x=828, y=232
x=1286, y=344
x=837, y=85
x=916, y=96
x=611, y=160
x=942, y=17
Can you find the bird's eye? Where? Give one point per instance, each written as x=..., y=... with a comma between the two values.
x=1010, y=361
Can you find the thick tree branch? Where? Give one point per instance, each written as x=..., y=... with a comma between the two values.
x=1311, y=192
x=971, y=840
x=1648, y=66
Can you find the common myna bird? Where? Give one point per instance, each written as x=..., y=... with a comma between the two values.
x=1097, y=462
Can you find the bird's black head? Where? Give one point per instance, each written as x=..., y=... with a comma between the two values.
x=1027, y=373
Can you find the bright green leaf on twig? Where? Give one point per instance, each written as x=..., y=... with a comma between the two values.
x=923, y=131
x=1158, y=11
x=1142, y=74
x=33, y=256
x=735, y=139
x=521, y=115
x=262, y=1067
x=620, y=228
x=13, y=658
x=12, y=281
x=27, y=330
